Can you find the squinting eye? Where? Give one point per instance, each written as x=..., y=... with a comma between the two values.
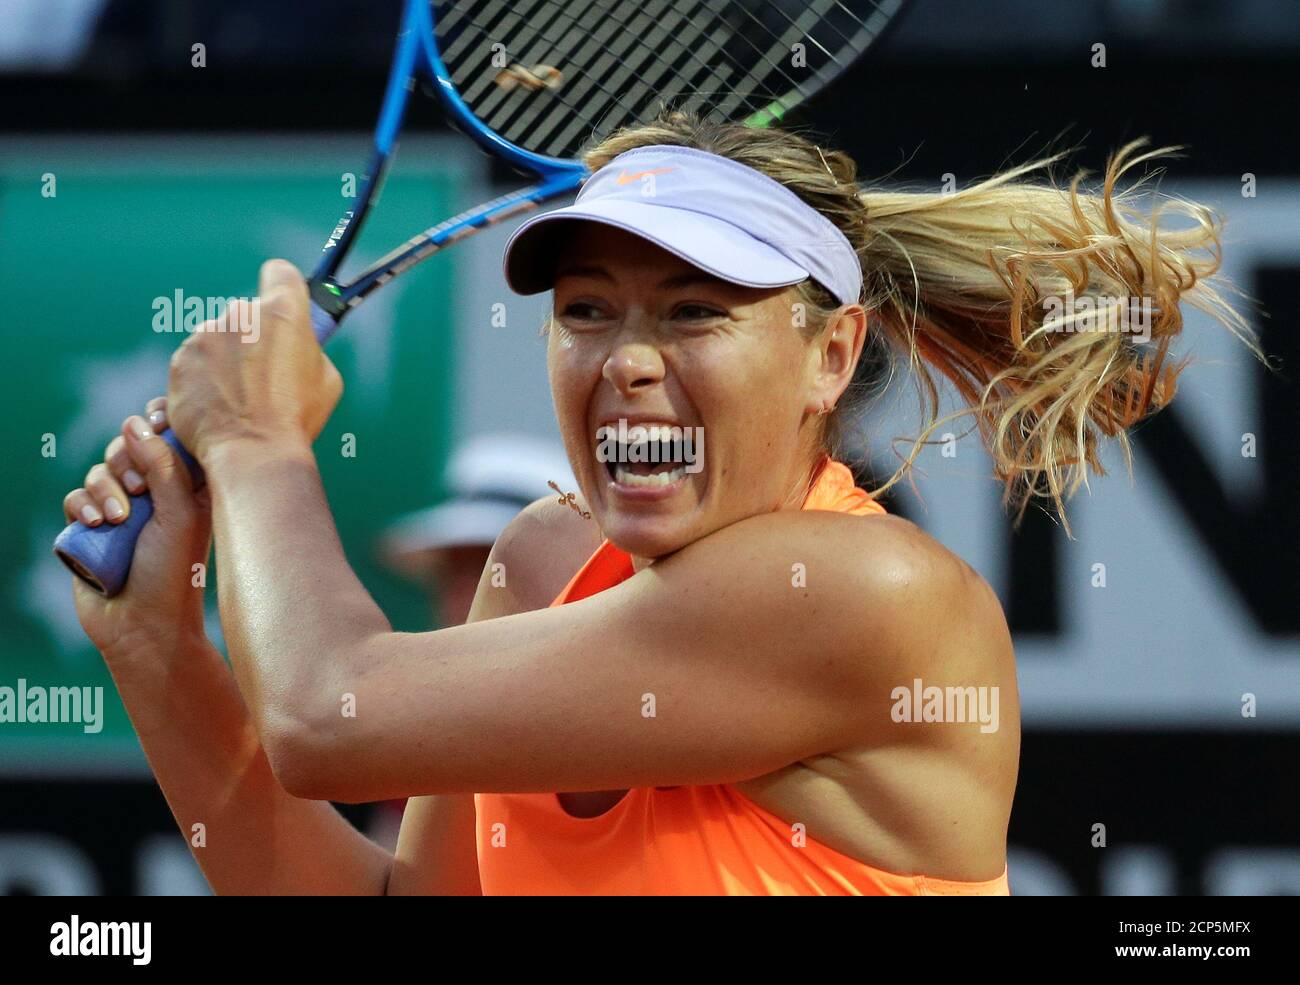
x=582, y=311
x=696, y=312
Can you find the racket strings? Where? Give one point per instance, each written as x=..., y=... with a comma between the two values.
x=551, y=75
x=798, y=29
x=616, y=59
x=506, y=108
x=624, y=77
x=731, y=91
x=776, y=50
x=487, y=100
x=483, y=83
x=670, y=62
x=653, y=54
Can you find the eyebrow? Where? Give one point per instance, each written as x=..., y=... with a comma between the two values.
x=687, y=279
x=600, y=273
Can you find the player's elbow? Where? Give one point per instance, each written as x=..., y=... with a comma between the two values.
x=303, y=759
x=317, y=746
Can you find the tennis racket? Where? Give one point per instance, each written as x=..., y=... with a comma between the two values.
x=531, y=82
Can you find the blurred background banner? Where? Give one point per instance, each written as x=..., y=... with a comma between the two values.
x=98, y=275
x=91, y=275
x=1159, y=652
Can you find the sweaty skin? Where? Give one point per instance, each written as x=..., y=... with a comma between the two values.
x=785, y=692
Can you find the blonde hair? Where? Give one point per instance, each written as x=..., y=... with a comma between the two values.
x=955, y=284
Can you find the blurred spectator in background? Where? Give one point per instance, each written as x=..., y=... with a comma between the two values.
x=488, y=480
x=45, y=35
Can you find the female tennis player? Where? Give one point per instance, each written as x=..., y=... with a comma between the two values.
x=740, y=675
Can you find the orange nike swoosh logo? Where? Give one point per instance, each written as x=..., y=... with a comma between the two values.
x=626, y=179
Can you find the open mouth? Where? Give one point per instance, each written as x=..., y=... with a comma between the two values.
x=646, y=457
x=629, y=474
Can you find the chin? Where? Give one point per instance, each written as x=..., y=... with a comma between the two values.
x=647, y=536
x=650, y=518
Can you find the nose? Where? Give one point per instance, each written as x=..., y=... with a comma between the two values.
x=633, y=366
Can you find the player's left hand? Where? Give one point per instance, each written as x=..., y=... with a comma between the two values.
x=257, y=372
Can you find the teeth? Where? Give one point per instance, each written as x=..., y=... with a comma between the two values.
x=654, y=443
x=625, y=477
x=651, y=428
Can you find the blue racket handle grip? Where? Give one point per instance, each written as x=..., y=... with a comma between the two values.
x=323, y=324
x=101, y=556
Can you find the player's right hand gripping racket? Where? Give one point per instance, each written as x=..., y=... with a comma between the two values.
x=532, y=82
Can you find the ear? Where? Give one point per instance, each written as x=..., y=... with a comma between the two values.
x=838, y=348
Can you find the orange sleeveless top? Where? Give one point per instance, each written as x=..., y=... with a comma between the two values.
x=690, y=840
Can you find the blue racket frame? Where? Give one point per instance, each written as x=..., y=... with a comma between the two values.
x=101, y=555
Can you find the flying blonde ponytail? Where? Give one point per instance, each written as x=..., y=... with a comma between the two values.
x=1024, y=296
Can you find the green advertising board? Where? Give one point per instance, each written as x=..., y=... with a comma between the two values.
x=91, y=235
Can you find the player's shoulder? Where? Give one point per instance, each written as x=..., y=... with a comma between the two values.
x=853, y=544
x=896, y=558
x=891, y=550
x=544, y=545
x=876, y=573
x=941, y=610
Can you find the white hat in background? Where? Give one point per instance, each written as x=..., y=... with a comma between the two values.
x=488, y=479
